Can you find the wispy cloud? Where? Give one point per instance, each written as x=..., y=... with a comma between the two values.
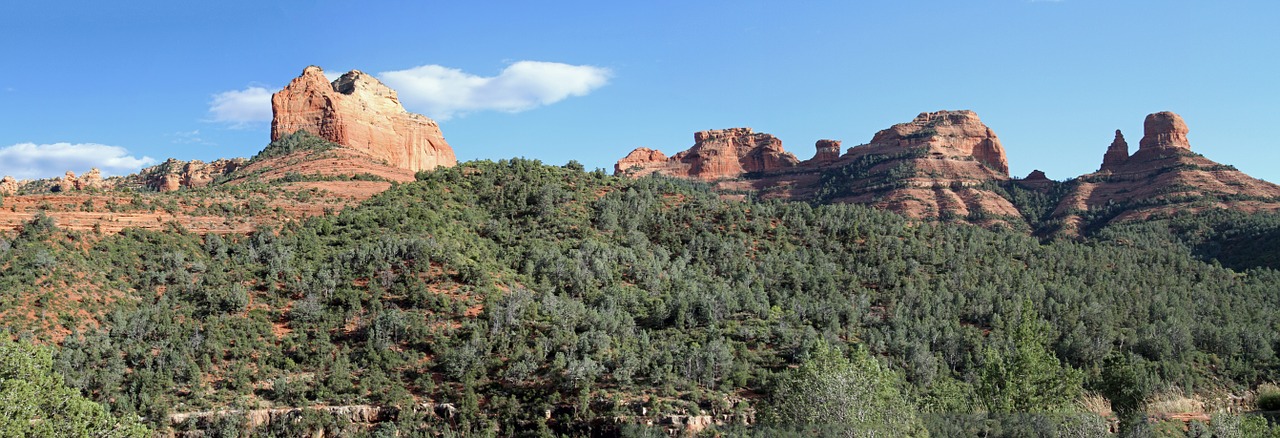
x=30, y=160
x=241, y=108
x=188, y=137
x=442, y=93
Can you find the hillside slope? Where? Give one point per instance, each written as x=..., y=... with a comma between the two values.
x=517, y=297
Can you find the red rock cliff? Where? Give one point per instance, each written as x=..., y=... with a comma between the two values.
x=1117, y=153
x=827, y=151
x=359, y=112
x=950, y=133
x=716, y=154
x=1164, y=130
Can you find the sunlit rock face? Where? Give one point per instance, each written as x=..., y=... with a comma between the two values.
x=359, y=112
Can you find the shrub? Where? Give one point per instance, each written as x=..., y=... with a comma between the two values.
x=1269, y=397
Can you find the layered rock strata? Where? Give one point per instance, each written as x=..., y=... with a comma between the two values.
x=933, y=166
x=1163, y=176
x=1117, y=154
x=359, y=112
x=716, y=154
x=827, y=151
x=174, y=174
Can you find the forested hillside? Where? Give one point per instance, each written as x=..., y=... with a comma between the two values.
x=521, y=299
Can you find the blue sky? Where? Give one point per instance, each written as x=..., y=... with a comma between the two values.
x=120, y=85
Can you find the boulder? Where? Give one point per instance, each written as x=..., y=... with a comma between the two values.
x=359, y=112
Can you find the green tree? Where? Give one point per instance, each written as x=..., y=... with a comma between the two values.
x=1127, y=384
x=34, y=402
x=1019, y=374
x=858, y=397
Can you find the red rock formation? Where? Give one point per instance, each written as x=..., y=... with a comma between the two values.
x=359, y=112
x=199, y=174
x=1117, y=153
x=1036, y=180
x=729, y=153
x=828, y=150
x=1164, y=176
x=65, y=184
x=90, y=180
x=638, y=159
x=716, y=154
x=175, y=174
x=948, y=133
x=1036, y=176
x=8, y=185
x=1164, y=130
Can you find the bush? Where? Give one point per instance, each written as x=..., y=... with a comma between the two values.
x=1269, y=397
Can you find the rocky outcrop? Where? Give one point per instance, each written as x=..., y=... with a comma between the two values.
x=639, y=160
x=1037, y=180
x=949, y=165
x=1164, y=130
x=65, y=184
x=935, y=166
x=947, y=133
x=1117, y=154
x=90, y=180
x=716, y=154
x=827, y=151
x=174, y=174
x=1036, y=176
x=200, y=174
x=939, y=165
x=8, y=185
x=359, y=112
x=1163, y=176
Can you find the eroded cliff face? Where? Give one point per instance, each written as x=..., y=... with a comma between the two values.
x=174, y=174
x=1117, y=154
x=949, y=133
x=1162, y=176
x=359, y=112
x=716, y=154
x=934, y=166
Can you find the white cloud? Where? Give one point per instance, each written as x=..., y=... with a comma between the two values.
x=241, y=108
x=188, y=137
x=442, y=92
x=30, y=160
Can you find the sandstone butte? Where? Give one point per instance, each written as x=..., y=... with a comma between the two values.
x=716, y=154
x=379, y=138
x=942, y=165
x=359, y=112
x=1160, y=175
x=950, y=154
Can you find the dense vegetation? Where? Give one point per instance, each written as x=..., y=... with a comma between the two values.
x=516, y=298
x=296, y=142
